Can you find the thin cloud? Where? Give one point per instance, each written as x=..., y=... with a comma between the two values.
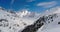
x=56, y=9
x=47, y=4
x=30, y=0
x=12, y=1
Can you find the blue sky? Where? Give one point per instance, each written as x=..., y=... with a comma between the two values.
x=31, y=5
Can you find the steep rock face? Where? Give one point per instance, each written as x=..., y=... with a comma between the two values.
x=39, y=23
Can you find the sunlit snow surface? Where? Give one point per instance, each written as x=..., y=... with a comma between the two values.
x=53, y=26
x=10, y=22
x=14, y=22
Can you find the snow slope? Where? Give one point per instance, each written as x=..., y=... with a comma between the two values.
x=16, y=21
x=52, y=26
x=12, y=22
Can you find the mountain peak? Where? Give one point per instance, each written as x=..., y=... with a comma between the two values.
x=57, y=10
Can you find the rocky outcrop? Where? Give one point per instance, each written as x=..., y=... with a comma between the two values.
x=39, y=23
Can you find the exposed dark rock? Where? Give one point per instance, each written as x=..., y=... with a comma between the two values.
x=8, y=15
x=48, y=21
x=0, y=31
x=52, y=20
x=29, y=28
x=35, y=26
x=3, y=20
x=58, y=22
x=39, y=23
x=4, y=23
x=0, y=24
x=16, y=25
x=10, y=27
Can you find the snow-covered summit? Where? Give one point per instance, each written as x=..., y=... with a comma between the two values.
x=57, y=10
x=23, y=13
x=26, y=13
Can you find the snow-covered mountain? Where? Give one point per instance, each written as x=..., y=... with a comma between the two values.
x=12, y=21
x=8, y=22
x=52, y=26
x=26, y=13
x=18, y=21
x=47, y=23
x=23, y=13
